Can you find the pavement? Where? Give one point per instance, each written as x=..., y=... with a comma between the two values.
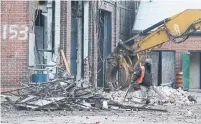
x=175, y=115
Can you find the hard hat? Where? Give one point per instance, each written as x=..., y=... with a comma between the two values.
x=148, y=61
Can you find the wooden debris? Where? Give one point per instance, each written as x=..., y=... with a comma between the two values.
x=65, y=61
x=64, y=94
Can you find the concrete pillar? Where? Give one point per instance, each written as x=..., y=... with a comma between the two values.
x=79, y=42
x=48, y=55
x=57, y=28
x=86, y=40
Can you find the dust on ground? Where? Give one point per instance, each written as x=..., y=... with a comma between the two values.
x=176, y=115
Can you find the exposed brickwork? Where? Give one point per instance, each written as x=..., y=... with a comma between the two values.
x=14, y=57
x=178, y=61
x=193, y=43
x=14, y=53
x=66, y=28
x=91, y=43
x=63, y=23
x=68, y=32
x=112, y=7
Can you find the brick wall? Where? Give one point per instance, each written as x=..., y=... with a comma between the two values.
x=68, y=31
x=94, y=7
x=193, y=43
x=14, y=43
x=112, y=7
x=91, y=39
x=65, y=33
x=63, y=23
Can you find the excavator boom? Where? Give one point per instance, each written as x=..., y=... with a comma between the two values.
x=176, y=28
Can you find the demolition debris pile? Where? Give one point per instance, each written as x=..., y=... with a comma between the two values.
x=174, y=96
x=57, y=94
x=64, y=94
x=162, y=95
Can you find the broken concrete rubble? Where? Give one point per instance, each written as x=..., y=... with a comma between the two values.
x=167, y=96
x=177, y=96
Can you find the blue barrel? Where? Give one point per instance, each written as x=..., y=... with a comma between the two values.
x=39, y=78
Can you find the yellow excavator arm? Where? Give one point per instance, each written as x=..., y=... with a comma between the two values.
x=176, y=28
x=180, y=25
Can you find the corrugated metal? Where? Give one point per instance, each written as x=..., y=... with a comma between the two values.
x=152, y=12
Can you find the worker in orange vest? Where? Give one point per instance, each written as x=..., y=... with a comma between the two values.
x=143, y=78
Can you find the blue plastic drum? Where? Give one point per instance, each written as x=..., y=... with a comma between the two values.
x=39, y=78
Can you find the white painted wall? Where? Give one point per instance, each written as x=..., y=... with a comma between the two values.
x=150, y=13
x=32, y=59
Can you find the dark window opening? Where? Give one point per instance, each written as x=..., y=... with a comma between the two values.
x=160, y=69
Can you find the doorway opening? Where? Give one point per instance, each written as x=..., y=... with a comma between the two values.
x=76, y=57
x=104, y=45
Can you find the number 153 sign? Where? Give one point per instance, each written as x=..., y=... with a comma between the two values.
x=15, y=32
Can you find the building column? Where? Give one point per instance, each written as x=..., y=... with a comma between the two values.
x=86, y=42
x=57, y=28
x=48, y=55
x=79, y=42
x=178, y=57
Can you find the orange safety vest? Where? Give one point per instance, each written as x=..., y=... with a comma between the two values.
x=139, y=79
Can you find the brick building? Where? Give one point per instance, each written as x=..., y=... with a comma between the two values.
x=33, y=33
x=171, y=57
x=14, y=43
